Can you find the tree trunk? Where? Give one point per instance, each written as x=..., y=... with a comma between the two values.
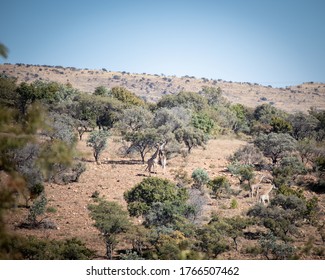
x=109, y=250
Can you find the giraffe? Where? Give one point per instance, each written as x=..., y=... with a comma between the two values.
x=153, y=161
x=264, y=194
x=159, y=157
x=254, y=189
x=162, y=157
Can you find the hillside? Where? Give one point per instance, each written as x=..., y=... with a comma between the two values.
x=252, y=187
x=152, y=87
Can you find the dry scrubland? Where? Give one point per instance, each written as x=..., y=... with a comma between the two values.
x=152, y=87
x=118, y=173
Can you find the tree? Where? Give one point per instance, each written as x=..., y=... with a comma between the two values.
x=243, y=118
x=8, y=94
x=283, y=216
x=289, y=167
x=143, y=141
x=111, y=220
x=172, y=118
x=37, y=209
x=189, y=100
x=126, y=96
x=190, y=137
x=203, y=122
x=218, y=185
x=3, y=51
x=98, y=141
x=244, y=172
x=280, y=125
x=143, y=196
x=97, y=110
x=200, y=177
x=134, y=119
x=303, y=126
x=236, y=226
x=275, y=145
x=249, y=155
x=101, y=90
x=213, y=95
x=276, y=249
x=211, y=239
x=320, y=116
x=265, y=112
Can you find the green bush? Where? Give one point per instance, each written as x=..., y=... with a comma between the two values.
x=144, y=195
x=32, y=248
x=244, y=172
x=219, y=184
x=111, y=220
x=98, y=141
x=200, y=177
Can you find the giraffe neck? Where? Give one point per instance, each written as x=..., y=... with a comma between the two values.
x=155, y=154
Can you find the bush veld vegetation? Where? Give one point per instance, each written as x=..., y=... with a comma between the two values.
x=42, y=122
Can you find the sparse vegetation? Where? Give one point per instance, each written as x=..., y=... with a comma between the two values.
x=44, y=176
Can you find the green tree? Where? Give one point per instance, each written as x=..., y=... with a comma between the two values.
x=143, y=196
x=248, y=155
x=37, y=209
x=143, y=141
x=244, y=172
x=189, y=100
x=203, y=122
x=218, y=185
x=211, y=239
x=172, y=118
x=320, y=116
x=280, y=125
x=200, y=177
x=191, y=137
x=303, y=126
x=289, y=167
x=275, y=145
x=272, y=248
x=236, y=227
x=243, y=118
x=101, y=90
x=3, y=51
x=213, y=96
x=265, y=112
x=8, y=95
x=283, y=216
x=111, y=220
x=98, y=141
x=126, y=96
x=134, y=119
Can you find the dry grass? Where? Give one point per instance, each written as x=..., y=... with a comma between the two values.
x=152, y=87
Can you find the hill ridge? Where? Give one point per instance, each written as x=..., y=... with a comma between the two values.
x=152, y=86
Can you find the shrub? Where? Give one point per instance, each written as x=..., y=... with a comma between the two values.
x=101, y=90
x=244, y=172
x=203, y=122
x=219, y=184
x=200, y=177
x=143, y=196
x=275, y=145
x=191, y=137
x=98, y=141
x=32, y=248
x=37, y=209
x=275, y=249
x=249, y=155
x=111, y=220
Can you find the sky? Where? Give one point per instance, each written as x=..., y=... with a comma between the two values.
x=275, y=42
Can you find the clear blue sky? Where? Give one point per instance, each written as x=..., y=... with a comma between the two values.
x=277, y=42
